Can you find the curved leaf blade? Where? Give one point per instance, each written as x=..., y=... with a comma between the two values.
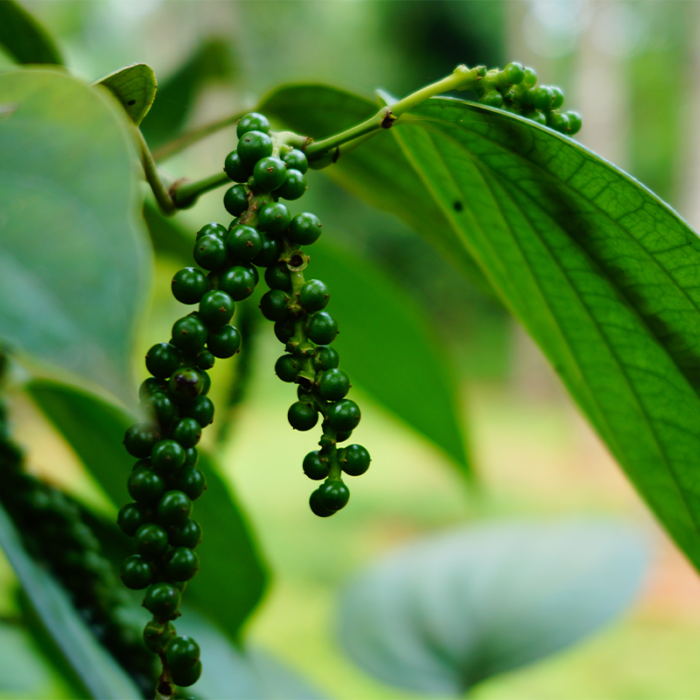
x=100, y=675
x=135, y=87
x=233, y=576
x=603, y=274
x=444, y=614
x=75, y=265
x=24, y=38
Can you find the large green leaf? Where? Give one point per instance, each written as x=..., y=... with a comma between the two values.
x=24, y=38
x=446, y=613
x=98, y=672
x=603, y=274
x=75, y=264
x=377, y=172
x=232, y=578
x=135, y=87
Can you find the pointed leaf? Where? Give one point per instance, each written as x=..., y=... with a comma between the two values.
x=604, y=275
x=24, y=38
x=444, y=614
x=101, y=676
x=232, y=578
x=75, y=262
x=135, y=87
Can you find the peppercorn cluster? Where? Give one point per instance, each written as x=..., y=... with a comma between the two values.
x=53, y=531
x=515, y=89
x=268, y=236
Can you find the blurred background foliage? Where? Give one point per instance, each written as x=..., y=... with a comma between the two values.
x=631, y=68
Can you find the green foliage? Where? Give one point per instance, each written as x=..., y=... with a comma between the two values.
x=24, y=38
x=135, y=87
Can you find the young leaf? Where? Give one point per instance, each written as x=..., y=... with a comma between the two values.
x=95, y=430
x=135, y=87
x=75, y=264
x=444, y=614
x=604, y=275
x=100, y=675
x=24, y=38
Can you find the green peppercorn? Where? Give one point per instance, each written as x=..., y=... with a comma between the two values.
x=296, y=160
x=333, y=385
x=174, y=508
x=269, y=173
x=530, y=78
x=284, y=330
x=322, y=328
x=151, y=540
x=236, y=199
x=254, y=121
x=187, y=432
x=294, y=186
x=326, y=358
x=216, y=308
x=212, y=229
x=205, y=360
x=317, y=506
x=514, y=73
x=234, y=168
x=270, y=251
x=302, y=415
x=274, y=218
x=187, y=383
x=574, y=122
x=136, y=572
x=140, y=438
x=224, y=342
x=201, y=409
x=314, y=295
x=189, y=334
x=278, y=277
x=158, y=635
x=275, y=305
x=238, y=282
x=243, y=242
x=187, y=677
x=181, y=564
x=210, y=252
x=333, y=494
x=253, y=146
x=150, y=387
x=344, y=415
x=558, y=99
x=316, y=465
x=558, y=122
x=132, y=516
x=189, y=534
x=162, y=599
x=191, y=482
x=305, y=229
x=492, y=98
x=189, y=285
x=162, y=408
x=536, y=117
x=287, y=367
x=145, y=485
x=354, y=459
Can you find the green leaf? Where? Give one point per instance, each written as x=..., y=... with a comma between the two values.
x=135, y=87
x=389, y=348
x=444, y=614
x=211, y=62
x=603, y=274
x=232, y=578
x=24, y=38
x=75, y=264
x=377, y=172
x=98, y=672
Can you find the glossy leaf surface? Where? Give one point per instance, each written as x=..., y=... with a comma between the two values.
x=135, y=87
x=75, y=264
x=24, y=38
x=444, y=614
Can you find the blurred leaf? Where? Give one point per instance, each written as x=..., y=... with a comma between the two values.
x=233, y=577
x=603, y=274
x=74, y=261
x=98, y=672
x=212, y=61
x=377, y=172
x=135, y=87
x=388, y=346
x=24, y=38
x=443, y=614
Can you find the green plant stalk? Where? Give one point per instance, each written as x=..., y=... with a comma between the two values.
x=184, y=194
x=191, y=137
x=162, y=195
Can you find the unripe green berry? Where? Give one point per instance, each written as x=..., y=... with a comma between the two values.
x=296, y=160
x=305, y=229
x=224, y=342
x=344, y=415
x=181, y=564
x=201, y=409
x=514, y=73
x=278, y=277
x=187, y=432
x=536, y=117
x=286, y=368
x=243, y=242
x=150, y=387
x=334, y=495
x=235, y=169
x=333, y=385
x=284, y=330
x=151, y=540
x=186, y=384
x=162, y=408
x=314, y=295
x=132, y=516
x=354, y=459
x=191, y=456
x=294, y=186
x=189, y=285
x=302, y=415
x=316, y=465
x=254, y=121
x=269, y=173
x=322, y=328
x=183, y=653
x=189, y=534
x=216, y=308
x=210, y=252
x=145, y=485
x=174, y=508
x=574, y=122
x=189, y=334
x=343, y=435
x=558, y=122
x=492, y=98
x=270, y=251
x=136, y=573
x=205, y=360
x=274, y=218
x=162, y=360
x=157, y=636
x=191, y=482
x=530, y=78
x=542, y=98
x=253, y=146
x=187, y=677
x=213, y=229
x=558, y=100
x=140, y=438
x=162, y=600
x=238, y=282
x=275, y=305
x=168, y=455
x=326, y=358
x=317, y=507
x=236, y=199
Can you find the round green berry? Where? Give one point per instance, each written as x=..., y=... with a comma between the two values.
x=284, y=330
x=343, y=435
x=334, y=495
x=536, y=117
x=162, y=408
x=213, y=229
x=189, y=285
x=326, y=358
x=238, y=282
x=202, y=410
x=191, y=482
x=187, y=677
x=136, y=572
x=574, y=122
x=151, y=540
x=275, y=305
x=162, y=600
x=140, y=438
x=254, y=121
x=216, y=308
x=333, y=385
x=354, y=459
x=344, y=415
x=492, y=98
x=278, y=277
x=243, y=242
x=191, y=456
x=145, y=485
x=316, y=466
x=205, y=360
x=168, y=455
x=294, y=186
x=269, y=252
x=317, y=507
x=157, y=636
x=558, y=122
x=274, y=218
x=235, y=169
x=189, y=534
x=162, y=360
x=187, y=432
x=181, y=564
x=183, y=653
x=514, y=73
x=287, y=367
x=542, y=98
x=558, y=99
x=314, y=295
x=305, y=229
x=269, y=173
x=530, y=77
x=189, y=334
x=236, y=200
x=186, y=384
x=174, y=508
x=302, y=415
x=210, y=252
x=150, y=387
x=132, y=516
x=296, y=160
x=224, y=342
x=322, y=328
x=253, y=146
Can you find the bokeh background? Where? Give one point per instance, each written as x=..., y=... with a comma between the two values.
x=633, y=71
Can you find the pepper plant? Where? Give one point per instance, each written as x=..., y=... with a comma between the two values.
x=599, y=270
